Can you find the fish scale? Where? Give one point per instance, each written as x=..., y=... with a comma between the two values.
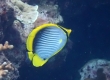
x=47, y=41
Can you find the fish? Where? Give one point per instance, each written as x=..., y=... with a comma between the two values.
x=46, y=41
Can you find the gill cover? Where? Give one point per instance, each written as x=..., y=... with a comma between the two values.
x=46, y=41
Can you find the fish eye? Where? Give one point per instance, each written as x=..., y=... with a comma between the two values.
x=44, y=58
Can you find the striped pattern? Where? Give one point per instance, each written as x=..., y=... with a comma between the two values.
x=48, y=41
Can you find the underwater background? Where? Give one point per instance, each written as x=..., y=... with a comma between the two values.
x=90, y=24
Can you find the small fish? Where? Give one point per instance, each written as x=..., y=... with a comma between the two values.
x=45, y=41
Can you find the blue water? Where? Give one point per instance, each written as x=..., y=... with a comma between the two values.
x=90, y=22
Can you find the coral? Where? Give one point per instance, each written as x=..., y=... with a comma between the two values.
x=7, y=70
x=40, y=21
x=97, y=69
x=16, y=55
x=23, y=11
x=5, y=46
x=3, y=18
x=4, y=69
x=50, y=13
x=22, y=30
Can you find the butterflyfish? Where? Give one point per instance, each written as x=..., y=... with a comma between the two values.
x=45, y=41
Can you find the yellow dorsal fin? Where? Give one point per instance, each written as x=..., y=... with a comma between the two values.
x=67, y=30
